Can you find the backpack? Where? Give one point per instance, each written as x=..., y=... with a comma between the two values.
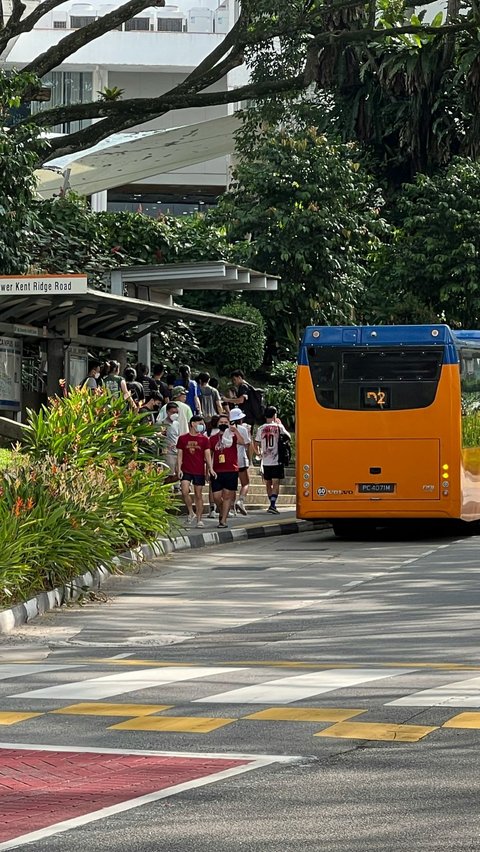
x=256, y=404
x=284, y=449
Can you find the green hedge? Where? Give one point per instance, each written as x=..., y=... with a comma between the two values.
x=78, y=496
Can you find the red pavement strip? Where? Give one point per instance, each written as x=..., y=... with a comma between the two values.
x=44, y=790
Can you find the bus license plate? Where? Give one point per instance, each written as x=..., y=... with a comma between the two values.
x=377, y=487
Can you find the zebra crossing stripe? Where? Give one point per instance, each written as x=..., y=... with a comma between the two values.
x=13, y=670
x=462, y=693
x=285, y=690
x=123, y=683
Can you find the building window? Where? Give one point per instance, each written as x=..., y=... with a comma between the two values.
x=59, y=25
x=135, y=24
x=79, y=21
x=170, y=25
x=68, y=87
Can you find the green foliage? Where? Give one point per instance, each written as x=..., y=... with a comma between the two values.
x=303, y=208
x=433, y=259
x=281, y=391
x=85, y=428
x=471, y=429
x=239, y=348
x=85, y=490
x=58, y=521
x=20, y=148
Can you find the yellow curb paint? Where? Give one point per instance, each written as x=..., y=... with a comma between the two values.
x=304, y=714
x=175, y=724
x=292, y=665
x=99, y=709
x=377, y=731
x=464, y=720
x=7, y=718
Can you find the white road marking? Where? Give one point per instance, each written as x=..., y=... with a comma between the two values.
x=257, y=762
x=288, y=689
x=22, y=670
x=462, y=693
x=125, y=682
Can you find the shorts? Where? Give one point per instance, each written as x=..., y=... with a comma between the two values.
x=243, y=469
x=273, y=471
x=193, y=477
x=227, y=480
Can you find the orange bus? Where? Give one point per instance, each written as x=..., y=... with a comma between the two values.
x=388, y=424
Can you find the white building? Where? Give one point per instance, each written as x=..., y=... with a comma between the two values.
x=146, y=57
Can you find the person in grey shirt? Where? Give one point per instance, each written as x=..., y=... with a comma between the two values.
x=90, y=382
x=210, y=399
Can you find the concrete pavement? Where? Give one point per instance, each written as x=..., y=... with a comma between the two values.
x=356, y=662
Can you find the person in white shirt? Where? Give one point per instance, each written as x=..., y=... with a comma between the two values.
x=237, y=416
x=184, y=411
x=267, y=444
x=171, y=436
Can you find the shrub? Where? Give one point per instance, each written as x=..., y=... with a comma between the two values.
x=86, y=489
x=85, y=427
x=57, y=521
x=238, y=348
x=281, y=392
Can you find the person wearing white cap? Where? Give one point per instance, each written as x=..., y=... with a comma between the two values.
x=237, y=417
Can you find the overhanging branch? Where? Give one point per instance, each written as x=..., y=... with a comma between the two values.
x=54, y=56
x=84, y=139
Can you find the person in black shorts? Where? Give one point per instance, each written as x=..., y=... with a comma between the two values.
x=193, y=456
x=223, y=447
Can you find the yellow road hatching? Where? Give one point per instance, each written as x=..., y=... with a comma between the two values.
x=342, y=721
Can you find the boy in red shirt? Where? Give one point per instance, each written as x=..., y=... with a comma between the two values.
x=225, y=465
x=193, y=456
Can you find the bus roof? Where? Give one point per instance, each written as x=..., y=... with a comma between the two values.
x=381, y=335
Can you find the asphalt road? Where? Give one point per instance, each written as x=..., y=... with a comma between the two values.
x=340, y=679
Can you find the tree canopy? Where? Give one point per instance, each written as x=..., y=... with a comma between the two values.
x=355, y=55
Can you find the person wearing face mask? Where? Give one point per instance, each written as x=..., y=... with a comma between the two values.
x=172, y=434
x=225, y=464
x=90, y=381
x=193, y=457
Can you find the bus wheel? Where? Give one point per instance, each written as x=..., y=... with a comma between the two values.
x=466, y=528
x=352, y=529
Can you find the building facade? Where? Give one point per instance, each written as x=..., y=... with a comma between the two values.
x=145, y=57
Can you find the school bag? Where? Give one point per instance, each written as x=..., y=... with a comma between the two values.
x=256, y=404
x=284, y=449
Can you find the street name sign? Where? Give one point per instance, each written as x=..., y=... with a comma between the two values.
x=49, y=285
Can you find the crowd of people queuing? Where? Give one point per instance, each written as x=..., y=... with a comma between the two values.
x=207, y=436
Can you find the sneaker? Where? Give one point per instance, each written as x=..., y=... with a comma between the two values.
x=240, y=507
x=200, y=524
x=222, y=526
x=190, y=519
x=211, y=515
x=273, y=510
x=231, y=513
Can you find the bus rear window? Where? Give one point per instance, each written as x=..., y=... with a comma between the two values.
x=359, y=378
x=391, y=365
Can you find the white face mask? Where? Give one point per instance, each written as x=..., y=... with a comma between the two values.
x=174, y=417
x=97, y=374
x=200, y=427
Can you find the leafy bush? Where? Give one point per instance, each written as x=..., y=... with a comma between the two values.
x=238, y=348
x=281, y=392
x=85, y=427
x=86, y=489
x=58, y=521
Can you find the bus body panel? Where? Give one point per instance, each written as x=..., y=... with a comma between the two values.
x=335, y=448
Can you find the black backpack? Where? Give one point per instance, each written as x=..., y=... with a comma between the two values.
x=284, y=449
x=256, y=404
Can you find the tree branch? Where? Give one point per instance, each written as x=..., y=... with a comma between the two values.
x=391, y=32
x=18, y=9
x=133, y=111
x=54, y=56
x=25, y=25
